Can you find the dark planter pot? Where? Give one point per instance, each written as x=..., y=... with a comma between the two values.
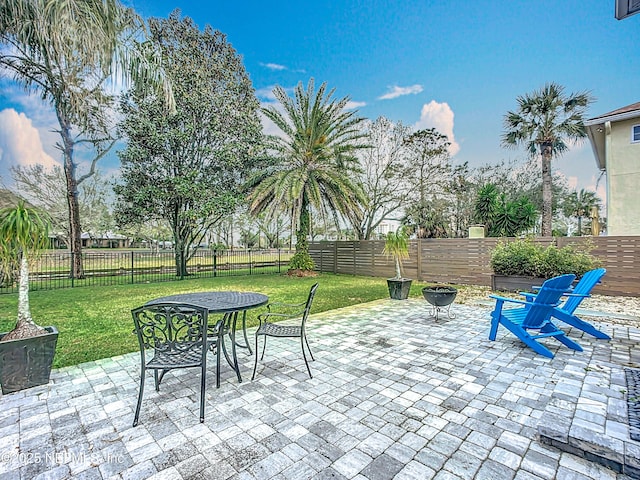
x=26, y=362
x=399, y=288
x=515, y=283
x=439, y=296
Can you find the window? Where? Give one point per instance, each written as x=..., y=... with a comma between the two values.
x=635, y=134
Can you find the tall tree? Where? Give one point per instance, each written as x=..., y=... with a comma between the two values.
x=68, y=52
x=428, y=172
x=188, y=168
x=382, y=176
x=314, y=163
x=545, y=122
x=580, y=205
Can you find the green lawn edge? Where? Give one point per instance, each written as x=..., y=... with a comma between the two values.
x=95, y=322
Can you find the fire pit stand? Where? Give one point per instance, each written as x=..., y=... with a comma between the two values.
x=440, y=297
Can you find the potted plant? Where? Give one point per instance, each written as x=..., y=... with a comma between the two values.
x=396, y=245
x=26, y=352
x=521, y=264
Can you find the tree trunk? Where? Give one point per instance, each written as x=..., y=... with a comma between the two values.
x=75, y=231
x=547, y=198
x=25, y=327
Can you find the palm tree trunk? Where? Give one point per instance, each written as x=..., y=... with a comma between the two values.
x=302, y=244
x=547, y=198
x=25, y=327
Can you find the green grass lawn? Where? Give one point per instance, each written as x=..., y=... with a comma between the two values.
x=95, y=322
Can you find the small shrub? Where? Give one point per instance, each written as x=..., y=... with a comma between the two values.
x=301, y=261
x=523, y=257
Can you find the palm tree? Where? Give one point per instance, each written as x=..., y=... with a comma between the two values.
x=580, y=205
x=545, y=122
x=314, y=163
x=68, y=52
x=24, y=233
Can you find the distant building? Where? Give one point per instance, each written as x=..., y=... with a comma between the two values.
x=105, y=240
x=615, y=140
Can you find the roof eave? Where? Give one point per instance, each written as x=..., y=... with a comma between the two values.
x=595, y=132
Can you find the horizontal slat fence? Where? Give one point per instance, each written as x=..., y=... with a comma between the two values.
x=466, y=260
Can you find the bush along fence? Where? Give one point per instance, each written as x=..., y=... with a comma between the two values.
x=53, y=270
x=467, y=260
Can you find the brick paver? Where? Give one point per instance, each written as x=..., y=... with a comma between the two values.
x=394, y=395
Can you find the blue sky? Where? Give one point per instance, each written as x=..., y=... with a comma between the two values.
x=454, y=65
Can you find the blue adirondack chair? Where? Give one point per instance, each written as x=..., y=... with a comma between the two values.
x=534, y=315
x=566, y=311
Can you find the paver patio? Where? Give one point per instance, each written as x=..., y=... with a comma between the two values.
x=394, y=395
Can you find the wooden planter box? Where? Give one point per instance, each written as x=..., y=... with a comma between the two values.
x=514, y=283
x=26, y=362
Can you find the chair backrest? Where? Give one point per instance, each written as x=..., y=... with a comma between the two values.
x=307, y=307
x=171, y=328
x=547, y=298
x=584, y=287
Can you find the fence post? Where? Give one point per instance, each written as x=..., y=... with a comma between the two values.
x=250, y=270
x=278, y=260
x=354, y=258
x=335, y=256
x=71, y=257
x=321, y=256
x=132, y=261
x=419, y=257
x=215, y=263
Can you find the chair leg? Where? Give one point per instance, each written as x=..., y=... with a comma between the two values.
x=141, y=391
x=304, y=355
x=561, y=337
x=495, y=321
x=309, y=348
x=526, y=338
x=264, y=347
x=255, y=363
x=203, y=378
x=235, y=365
x=580, y=324
x=219, y=347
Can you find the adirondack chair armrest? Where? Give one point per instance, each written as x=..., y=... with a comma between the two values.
x=512, y=300
x=583, y=295
x=538, y=287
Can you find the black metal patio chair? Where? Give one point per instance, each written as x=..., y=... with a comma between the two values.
x=178, y=336
x=269, y=329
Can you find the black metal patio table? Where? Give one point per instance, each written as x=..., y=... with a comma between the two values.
x=229, y=303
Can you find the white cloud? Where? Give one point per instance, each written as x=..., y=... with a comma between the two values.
x=266, y=93
x=397, y=91
x=351, y=105
x=20, y=142
x=439, y=116
x=274, y=66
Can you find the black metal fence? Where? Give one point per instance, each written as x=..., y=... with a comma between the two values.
x=53, y=270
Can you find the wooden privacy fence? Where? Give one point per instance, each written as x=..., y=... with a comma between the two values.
x=466, y=260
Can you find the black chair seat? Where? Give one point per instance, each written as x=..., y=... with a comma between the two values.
x=274, y=330
x=190, y=358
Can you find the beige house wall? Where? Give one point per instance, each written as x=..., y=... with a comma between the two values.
x=623, y=179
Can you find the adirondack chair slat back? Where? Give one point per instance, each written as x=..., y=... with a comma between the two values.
x=584, y=287
x=548, y=297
